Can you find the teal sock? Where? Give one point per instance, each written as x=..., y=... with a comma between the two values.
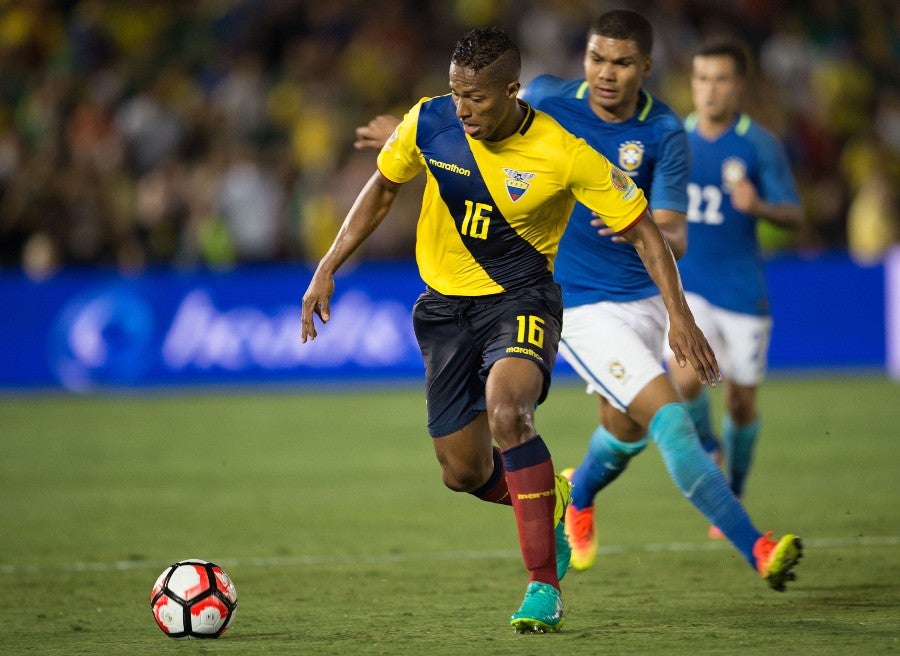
x=740, y=442
x=607, y=457
x=699, y=478
x=698, y=409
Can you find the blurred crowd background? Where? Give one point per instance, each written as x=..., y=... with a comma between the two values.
x=135, y=133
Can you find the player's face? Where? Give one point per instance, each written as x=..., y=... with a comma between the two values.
x=716, y=88
x=487, y=107
x=614, y=70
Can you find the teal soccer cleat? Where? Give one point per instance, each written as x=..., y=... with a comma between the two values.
x=541, y=610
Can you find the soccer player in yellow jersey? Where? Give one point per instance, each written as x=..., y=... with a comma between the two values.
x=501, y=180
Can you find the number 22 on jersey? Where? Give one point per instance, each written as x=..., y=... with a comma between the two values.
x=705, y=204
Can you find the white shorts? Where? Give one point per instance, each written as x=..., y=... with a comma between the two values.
x=616, y=348
x=740, y=341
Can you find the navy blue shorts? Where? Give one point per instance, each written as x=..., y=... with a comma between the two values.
x=461, y=337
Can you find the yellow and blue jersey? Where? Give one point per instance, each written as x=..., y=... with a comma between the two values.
x=651, y=148
x=493, y=213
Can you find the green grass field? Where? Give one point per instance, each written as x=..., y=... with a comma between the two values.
x=328, y=512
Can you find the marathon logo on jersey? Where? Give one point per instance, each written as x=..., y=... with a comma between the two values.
x=517, y=183
x=734, y=170
x=452, y=167
x=631, y=155
x=623, y=183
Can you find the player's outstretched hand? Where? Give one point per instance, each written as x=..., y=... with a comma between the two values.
x=376, y=132
x=690, y=347
x=605, y=231
x=316, y=301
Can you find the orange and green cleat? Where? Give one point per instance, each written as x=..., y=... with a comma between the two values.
x=580, y=532
x=775, y=560
x=563, y=551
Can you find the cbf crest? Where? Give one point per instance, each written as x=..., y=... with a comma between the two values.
x=734, y=170
x=517, y=183
x=631, y=155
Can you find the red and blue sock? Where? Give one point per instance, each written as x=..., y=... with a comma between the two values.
x=532, y=489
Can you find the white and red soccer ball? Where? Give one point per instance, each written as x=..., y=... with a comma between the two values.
x=193, y=599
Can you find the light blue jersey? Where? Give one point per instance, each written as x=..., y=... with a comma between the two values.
x=651, y=147
x=723, y=262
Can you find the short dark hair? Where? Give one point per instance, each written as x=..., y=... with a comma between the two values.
x=624, y=25
x=484, y=46
x=731, y=49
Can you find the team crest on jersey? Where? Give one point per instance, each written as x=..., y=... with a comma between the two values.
x=622, y=182
x=517, y=183
x=391, y=139
x=734, y=169
x=631, y=155
x=617, y=369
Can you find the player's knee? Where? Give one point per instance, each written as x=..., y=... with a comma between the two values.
x=510, y=424
x=465, y=474
x=741, y=405
x=461, y=480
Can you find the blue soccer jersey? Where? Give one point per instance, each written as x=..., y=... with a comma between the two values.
x=651, y=147
x=723, y=262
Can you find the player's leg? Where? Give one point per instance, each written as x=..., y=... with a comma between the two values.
x=740, y=428
x=695, y=395
x=747, y=341
x=513, y=388
x=606, y=458
x=607, y=344
x=612, y=445
x=471, y=393
x=465, y=462
x=693, y=471
x=699, y=409
x=696, y=402
x=521, y=336
x=462, y=455
x=703, y=484
x=466, y=456
x=696, y=399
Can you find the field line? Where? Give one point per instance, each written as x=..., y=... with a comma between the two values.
x=442, y=556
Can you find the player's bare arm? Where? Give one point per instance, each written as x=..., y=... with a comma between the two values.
x=686, y=339
x=376, y=132
x=672, y=225
x=369, y=209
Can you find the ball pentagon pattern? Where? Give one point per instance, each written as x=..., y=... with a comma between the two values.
x=193, y=599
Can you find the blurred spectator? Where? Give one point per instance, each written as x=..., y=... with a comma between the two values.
x=251, y=204
x=217, y=133
x=873, y=221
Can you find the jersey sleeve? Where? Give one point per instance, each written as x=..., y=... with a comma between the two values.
x=400, y=159
x=605, y=189
x=536, y=90
x=670, y=177
x=776, y=179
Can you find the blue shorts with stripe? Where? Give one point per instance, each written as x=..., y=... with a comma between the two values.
x=461, y=337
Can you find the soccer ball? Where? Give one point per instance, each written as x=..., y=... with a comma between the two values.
x=193, y=599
